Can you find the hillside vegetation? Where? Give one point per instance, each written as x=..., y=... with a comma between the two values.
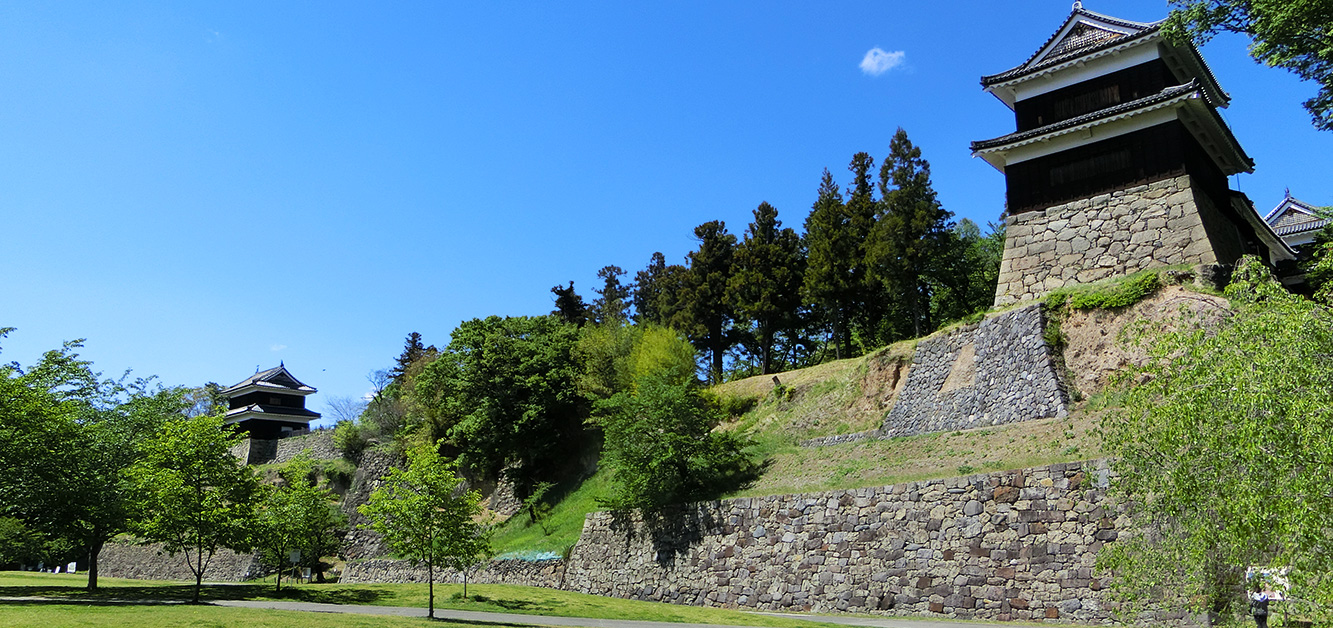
x=1093, y=328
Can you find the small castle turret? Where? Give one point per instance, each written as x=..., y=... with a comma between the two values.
x=269, y=404
x=1119, y=161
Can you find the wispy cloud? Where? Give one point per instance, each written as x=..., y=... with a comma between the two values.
x=277, y=347
x=877, y=61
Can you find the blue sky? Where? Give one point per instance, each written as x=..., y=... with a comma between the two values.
x=200, y=189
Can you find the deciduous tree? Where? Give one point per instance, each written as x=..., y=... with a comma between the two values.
x=661, y=449
x=1293, y=35
x=1225, y=452
x=195, y=497
x=425, y=519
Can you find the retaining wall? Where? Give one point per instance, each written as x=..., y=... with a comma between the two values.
x=152, y=562
x=1017, y=545
x=997, y=371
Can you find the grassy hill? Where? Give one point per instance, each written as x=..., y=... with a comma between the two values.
x=853, y=395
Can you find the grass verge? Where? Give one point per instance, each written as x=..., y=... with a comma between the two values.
x=47, y=615
x=494, y=598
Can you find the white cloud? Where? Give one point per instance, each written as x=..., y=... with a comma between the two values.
x=277, y=347
x=877, y=61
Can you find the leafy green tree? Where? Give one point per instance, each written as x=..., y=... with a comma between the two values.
x=19, y=544
x=766, y=283
x=1293, y=35
x=613, y=299
x=1225, y=452
x=832, y=252
x=709, y=317
x=966, y=270
x=296, y=518
x=912, y=234
x=425, y=519
x=569, y=306
x=195, y=497
x=504, y=395
x=66, y=439
x=661, y=447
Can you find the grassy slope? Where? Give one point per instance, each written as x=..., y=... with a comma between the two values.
x=831, y=399
x=482, y=597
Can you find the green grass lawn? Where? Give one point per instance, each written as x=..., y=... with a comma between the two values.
x=482, y=597
x=561, y=527
x=42, y=615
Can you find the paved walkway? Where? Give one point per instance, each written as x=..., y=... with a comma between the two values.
x=588, y=622
x=514, y=619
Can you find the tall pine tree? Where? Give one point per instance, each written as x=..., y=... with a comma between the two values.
x=708, y=313
x=766, y=283
x=868, y=301
x=613, y=298
x=831, y=255
x=912, y=235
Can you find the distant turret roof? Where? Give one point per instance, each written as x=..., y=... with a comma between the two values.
x=274, y=379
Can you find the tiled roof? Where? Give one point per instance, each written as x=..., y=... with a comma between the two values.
x=1191, y=87
x=1084, y=38
x=277, y=378
x=277, y=411
x=1301, y=227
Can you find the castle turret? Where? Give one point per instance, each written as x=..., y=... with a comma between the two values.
x=269, y=404
x=1119, y=161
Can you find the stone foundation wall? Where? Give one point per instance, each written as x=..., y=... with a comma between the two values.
x=151, y=562
x=1157, y=224
x=319, y=444
x=998, y=371
x=362, y=543
x=1016, y=545
x=549, y=574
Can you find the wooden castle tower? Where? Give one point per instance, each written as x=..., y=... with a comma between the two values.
x=1119, y=161
x=269, y=404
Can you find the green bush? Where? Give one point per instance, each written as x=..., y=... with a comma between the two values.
x=349, y=438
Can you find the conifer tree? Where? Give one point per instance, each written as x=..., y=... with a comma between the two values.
x=707, y=313
x=613, y=299
x=867, y=301
x=830, y=258
x=413, y=350
x=569, y=306
x=766, y=284
x=911, y=236
x=657, y=291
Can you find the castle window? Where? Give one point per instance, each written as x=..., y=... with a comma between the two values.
x=1079, y=104
x=1089, y=167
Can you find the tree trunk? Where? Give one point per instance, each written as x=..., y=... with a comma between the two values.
x=430, y=579
x=94, y=549
x=765, y=351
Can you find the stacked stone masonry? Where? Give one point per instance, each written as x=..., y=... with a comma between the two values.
x=998, y=371
x=152, y=562
x=1116, y=233
x=319, y=444
x=1017, y=545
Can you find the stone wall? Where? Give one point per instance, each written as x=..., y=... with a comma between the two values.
x=1157, y=224
x=1015, y=545
x=319, y=443
x=998, y=371
x=541, y=573
x=362, y=543
x=151, y=562
x=256, y=450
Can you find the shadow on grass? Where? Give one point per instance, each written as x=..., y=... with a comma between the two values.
x=185, y=592
x=509, y=605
